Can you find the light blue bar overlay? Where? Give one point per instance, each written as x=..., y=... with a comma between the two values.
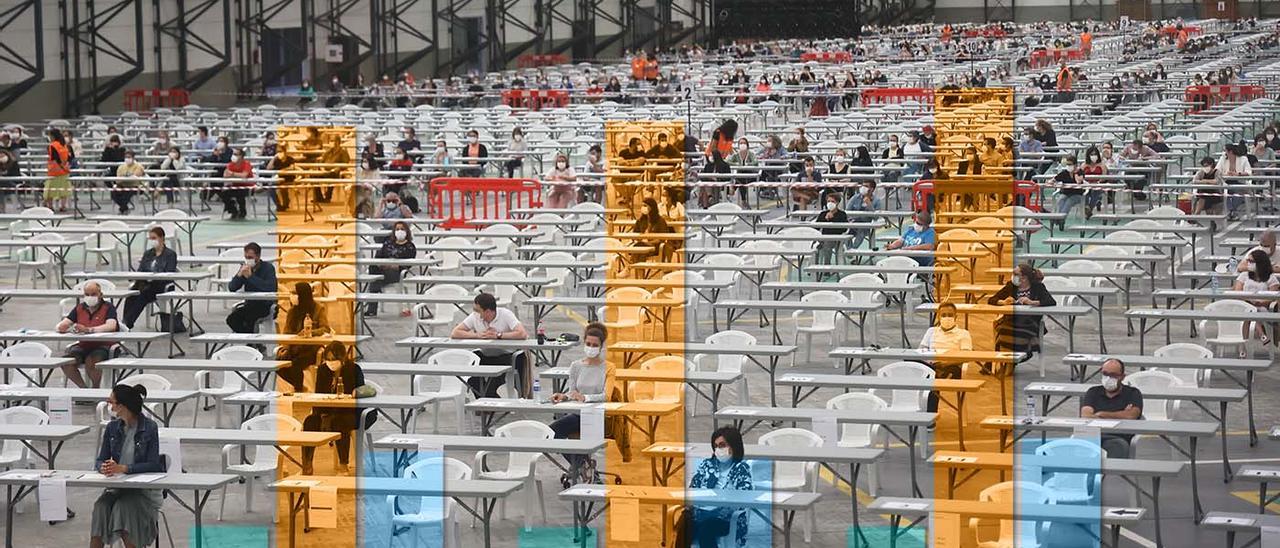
x=1061, y=472
x=708, y=483
x=408, y=520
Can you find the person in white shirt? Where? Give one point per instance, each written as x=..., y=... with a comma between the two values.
x=1258, y=279
x=1233, y=164
x=1267, y=245
x=489, y=322
x=945, y=337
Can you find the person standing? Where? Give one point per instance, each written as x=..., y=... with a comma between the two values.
x=58, y=186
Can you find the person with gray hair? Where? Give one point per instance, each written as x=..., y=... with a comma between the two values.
x=92, y=314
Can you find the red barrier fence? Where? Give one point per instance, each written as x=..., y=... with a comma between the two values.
x=459, y=200
x=534, y=99
x=1045, y=57
x=142, y=100
x=986, y=32
x=827, y=56
x=888, y=96
x=1025, y=194
x=534, y=60
x=1203, y=97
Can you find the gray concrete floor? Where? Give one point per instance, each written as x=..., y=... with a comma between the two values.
x=239, y=528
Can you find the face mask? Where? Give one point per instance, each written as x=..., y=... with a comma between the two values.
x=591, y=351
x=742, y=148
x=840, y=159
x=593, y=157
x=473, y=140
x=1110, y=384
x=919, y=227
x=562, y=165
x=831, y=206
x=128, y=161
x=862, y=190
x=393, y=205
x=517, y=138
x=333, y=365
x=1016, y=280
x=92, y=300
x=237, y=158
x=154, y=242
x=440, y=151
x=250, y=262
x=222, y=146
x=722, y=454
x=173, y=155
x=400, y=234
x=946, y=323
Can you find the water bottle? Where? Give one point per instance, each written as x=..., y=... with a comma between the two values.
x=537, y=390
x=338, y=387
x=1031, y=410
x=1233, y=265
x=1214, y=284
x=542, y=336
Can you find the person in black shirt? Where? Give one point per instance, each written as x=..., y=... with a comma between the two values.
x=664, y=148
x=157, y=258
x=113, y=153
x=398, y=246
x=1113, y=400
x=281, y=162
x=832, y=214
x=257, y=276
x=1022, y=332
x=338, y=374
x=410, y=141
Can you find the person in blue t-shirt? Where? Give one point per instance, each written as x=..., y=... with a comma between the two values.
x=919, y=236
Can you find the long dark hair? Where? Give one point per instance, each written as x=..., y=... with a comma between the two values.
x=1261, y=266
x=306, y=306
x=653, y=222
x=862, y=156
x=55, y=134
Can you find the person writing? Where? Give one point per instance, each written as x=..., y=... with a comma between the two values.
x=305, y=319
x=91, y=315
x=255, y=276
x=489, y=322
x=157, y=258
x=130, y=445
x=1021, y=332
x=918, y=237
x=398, y=246
x=588, y=381
x=725, y=470
x=340, y=375
x=1113, y=400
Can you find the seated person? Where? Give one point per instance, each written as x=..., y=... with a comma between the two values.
x=340, y=374
x=489, y=322
x=832, y=214
x=1113, y=400
x=305, y=318
x=1022, y=332
x=946, y=336
x=130, y=445
x=809, y=180
x=651, y=222
x=1261, y=277
x=1267, y=245
x=392, y=208
x=918, y=237
x=398, y=246
x=725, y=470
x=256, y=276
x=157, y=258
x=92, y=314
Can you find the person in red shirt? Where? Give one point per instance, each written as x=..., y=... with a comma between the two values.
x=92, y=314
x=234, y=194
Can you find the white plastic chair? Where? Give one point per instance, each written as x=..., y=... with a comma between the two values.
x=504, y=292
x=688, y=310
x=723, y=259
x=864, y=298
x=619, y=318
x=822, y=322
x=1154, y=409
x=503, y=245
x=431, y=511
x=451, y=388
x=563, y=276
x=520, y=466
x=108, y=247
x=547, y=234
x=443, y=315
x=793, y=476
x=265, y=461
x=727, y=363
x=1019, y=533
x=13, y=454
x=172, y=236
x=231, y=382
x=25, y=349
x=862, y=435
x=1192, y=351
x=450, y=261
x=1073, y=487
x=39, y=261
x=1230, y=333
x=1083, y=265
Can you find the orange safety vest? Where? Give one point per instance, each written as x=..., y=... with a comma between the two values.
x=59, y=160
x=651, y=69
x=637, y=68
x=1086, y=41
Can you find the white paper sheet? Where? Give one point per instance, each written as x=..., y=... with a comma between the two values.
x=322, y=501
x=143, y=478
x=1270, y=534
x=172, y=447
x=52, y=493
x=825, y=427
x=59, y=410
x=624, y=520
x=591, y=424
x=1096, y=423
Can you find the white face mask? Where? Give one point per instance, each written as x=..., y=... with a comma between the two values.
x=237, y=158
x=473, y=140
x=128, y=161
x=864, y=190
x=743, y=148
x=250, y=262
x=722, y=454
x=919, y=227
x=174, y=155
x=154, y=242
x=840, y=159
x=562, y=165
x=400, y=234
x=831, y=206
x=591, y=351
x=946, y=323
x=1110, y=384
x=1016, y=280
x=91, y=300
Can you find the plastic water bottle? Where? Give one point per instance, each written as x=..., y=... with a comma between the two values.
x=1233, y=265
x=537, y=390
x=1214, y=284
x=1031, y=410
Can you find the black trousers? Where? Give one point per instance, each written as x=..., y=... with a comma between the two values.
x=390, y=276
x=342, y=421
x=122, y=198
x=233, y=199
x=244, y=318
x=133, y=306
x=488, y=387
x=941, y=372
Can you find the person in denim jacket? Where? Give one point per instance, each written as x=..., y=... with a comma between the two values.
x=130, y=445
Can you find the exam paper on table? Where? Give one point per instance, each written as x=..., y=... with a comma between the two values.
x=52, y=494
x=143, y=478
x=323, y=505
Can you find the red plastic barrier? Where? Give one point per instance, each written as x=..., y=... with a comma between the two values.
x=1046, y=57
x=885, y=96
x=1025, y=194
x=1203, y=97
x=534, y=99
x=827, y=56
x=986, y=32
x=460, y=200
x=141, y=100
x=534, y=60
